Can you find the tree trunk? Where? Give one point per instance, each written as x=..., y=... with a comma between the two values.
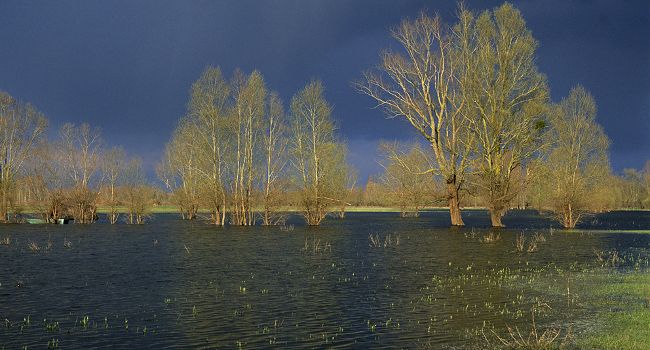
x=4, y=211
x=454, y=203
x=495, y=217
x=569, y=220
x=223, y=212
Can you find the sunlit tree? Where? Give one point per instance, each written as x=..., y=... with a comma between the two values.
x=316, y=155
x=22, y=128
x=506, y=99
x=421, y=82
x=577, y=164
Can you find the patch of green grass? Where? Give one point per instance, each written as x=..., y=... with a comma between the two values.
x=627, y=323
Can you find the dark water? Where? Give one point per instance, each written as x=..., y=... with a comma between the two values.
x=196, y=286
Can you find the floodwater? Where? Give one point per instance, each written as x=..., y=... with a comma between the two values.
x=416, y=283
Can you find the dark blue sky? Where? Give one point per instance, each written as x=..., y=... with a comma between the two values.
x=127, y=66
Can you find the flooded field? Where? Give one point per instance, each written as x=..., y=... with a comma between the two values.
x=369, y=281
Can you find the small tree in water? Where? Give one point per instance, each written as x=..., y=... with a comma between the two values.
x=315, y=154
x=137, y=196
x=576, y=166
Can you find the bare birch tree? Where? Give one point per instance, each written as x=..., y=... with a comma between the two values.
x=315, y=153
x=209, y=122
x=249, y=109
x=275, y=146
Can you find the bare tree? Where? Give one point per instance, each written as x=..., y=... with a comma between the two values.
x=46, y=182
x=179, y=172
x=632, y=188
x=249, y=109
x=315, y=152
x=577, y=164
x=137, y=196
x=78, y=156
x=421, y=83
x=208, y=120
x=347, y=186
x=505, y=97
x=405, y=180
x=113, y=167
x=80, y=149
x=21, y=130
x=226, y=147
x=275, y=146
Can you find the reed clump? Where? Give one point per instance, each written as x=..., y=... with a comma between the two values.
x=610, y=258
x=387, y=241
x=33, y=247
x=491, y=237
x=530, y=245
x=316, y=246
x=535, y=338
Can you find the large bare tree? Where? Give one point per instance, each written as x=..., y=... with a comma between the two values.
x=227, y=148
x=421, y=83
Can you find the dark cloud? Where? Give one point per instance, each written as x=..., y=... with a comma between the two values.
x=126, y=66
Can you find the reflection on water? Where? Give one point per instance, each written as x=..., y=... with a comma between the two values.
x=180, y=284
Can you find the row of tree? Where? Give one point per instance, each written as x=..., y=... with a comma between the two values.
x=68, y=177
x=473, y=91
x=237, y=152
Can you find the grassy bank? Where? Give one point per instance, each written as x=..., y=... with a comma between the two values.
x=626, y=324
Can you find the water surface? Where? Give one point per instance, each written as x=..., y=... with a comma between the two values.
x=178, y=284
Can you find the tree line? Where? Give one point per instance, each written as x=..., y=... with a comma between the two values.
x=236, y=154
x=491, y=137
x=67, y=177
x=473, y=91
